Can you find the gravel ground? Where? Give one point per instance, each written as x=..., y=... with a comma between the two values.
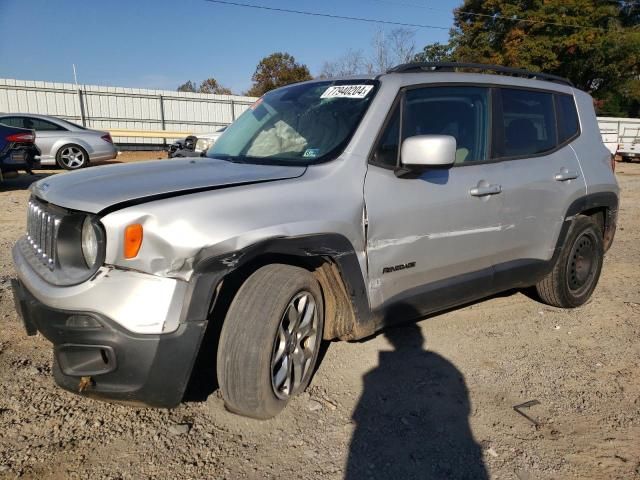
x=431, y=400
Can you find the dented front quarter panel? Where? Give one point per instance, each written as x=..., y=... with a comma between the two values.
x=177, y=230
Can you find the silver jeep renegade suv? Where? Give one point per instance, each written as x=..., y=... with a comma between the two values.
x=329, y=210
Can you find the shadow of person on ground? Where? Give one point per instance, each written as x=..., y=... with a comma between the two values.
x=412, y=418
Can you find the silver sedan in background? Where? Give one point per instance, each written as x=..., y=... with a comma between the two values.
x=69, y=145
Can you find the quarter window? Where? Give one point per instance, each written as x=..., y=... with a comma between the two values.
x=568, y=125
x=528, y=123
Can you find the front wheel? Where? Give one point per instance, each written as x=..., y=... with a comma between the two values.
x=576, y=272
x=270, y=340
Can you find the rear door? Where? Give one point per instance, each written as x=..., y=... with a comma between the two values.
x=439, y=229
x=540, y=174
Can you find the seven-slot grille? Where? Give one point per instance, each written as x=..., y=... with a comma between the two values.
x=42, y=232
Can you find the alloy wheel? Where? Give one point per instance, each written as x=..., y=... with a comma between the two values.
x=72, y=157
x=295, y=344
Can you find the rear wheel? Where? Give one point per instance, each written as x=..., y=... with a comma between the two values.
x=577, y=270
x=270, y=340
x=72, y=157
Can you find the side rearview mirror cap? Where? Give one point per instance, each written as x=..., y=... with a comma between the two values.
x=428, y=150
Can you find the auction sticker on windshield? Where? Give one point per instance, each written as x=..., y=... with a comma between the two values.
x=347, y=91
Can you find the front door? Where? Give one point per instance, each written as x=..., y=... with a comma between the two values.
x=443, y=228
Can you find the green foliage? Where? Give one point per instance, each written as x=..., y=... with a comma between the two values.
x=594, y=43
x=188, y=86
x=211, y=85
x=435, y=52
x=277, y=70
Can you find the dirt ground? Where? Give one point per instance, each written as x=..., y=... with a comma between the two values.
x=433, y=400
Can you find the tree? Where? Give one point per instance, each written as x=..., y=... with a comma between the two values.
x=387, y=49
x=435, y=52
x=351, y=63
x=211, y=85
x=188, y=86
x=391, y=48
x=594, y=43
x=277, y=70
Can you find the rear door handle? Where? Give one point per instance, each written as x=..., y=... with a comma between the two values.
x=484, y=190
x=564, y=174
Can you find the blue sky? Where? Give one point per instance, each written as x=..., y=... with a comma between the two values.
x=162, y=43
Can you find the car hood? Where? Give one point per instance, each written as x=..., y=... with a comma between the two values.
x=98, y=188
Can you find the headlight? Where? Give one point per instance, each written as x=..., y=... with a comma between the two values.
x=203, y=144
x=89, y=242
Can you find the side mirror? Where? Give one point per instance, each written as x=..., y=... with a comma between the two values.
x=428, y=150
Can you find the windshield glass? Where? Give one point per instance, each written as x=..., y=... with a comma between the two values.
x=297, y=125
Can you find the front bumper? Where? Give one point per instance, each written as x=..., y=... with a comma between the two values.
x=139, y=369
x=139, y=302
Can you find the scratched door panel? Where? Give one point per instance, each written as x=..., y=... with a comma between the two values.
x=433, y=221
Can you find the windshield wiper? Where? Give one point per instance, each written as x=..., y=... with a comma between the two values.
x=226, y=158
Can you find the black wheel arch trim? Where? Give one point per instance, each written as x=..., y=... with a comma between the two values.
x=607, y=200
x=210, y=268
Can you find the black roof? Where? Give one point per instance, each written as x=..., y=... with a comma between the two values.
x=453, y=66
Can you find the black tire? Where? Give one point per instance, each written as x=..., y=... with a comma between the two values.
x=79, y=153
x=576, y=272
x=250, y=337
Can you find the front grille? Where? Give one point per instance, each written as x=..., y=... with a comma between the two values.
x=42, y=232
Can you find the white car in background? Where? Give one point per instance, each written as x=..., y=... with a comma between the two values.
x=62, y=142
x=194, y=145
x=206, y=140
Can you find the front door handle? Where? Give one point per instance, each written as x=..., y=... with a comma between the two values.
x=484, y=190
x=565, y=174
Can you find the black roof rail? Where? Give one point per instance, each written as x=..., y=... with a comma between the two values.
x=452, y=66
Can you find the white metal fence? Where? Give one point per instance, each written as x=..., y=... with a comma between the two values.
x=121, y=108
x=118, y=108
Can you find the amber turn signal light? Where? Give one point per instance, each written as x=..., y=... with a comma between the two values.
x=132, y=240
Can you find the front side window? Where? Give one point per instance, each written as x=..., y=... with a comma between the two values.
x=461, y=112
x=297, y=125
x=526, y=125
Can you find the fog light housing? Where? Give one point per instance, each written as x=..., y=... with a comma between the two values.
x=82, y=321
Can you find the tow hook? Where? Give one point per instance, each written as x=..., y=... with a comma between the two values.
x=85, y=382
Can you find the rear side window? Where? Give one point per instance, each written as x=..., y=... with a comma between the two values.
x=568, y=124
x=40, y=125
x=12, y=121
x=526, y=124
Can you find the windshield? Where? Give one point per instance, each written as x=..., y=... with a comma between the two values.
x=297, y=125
